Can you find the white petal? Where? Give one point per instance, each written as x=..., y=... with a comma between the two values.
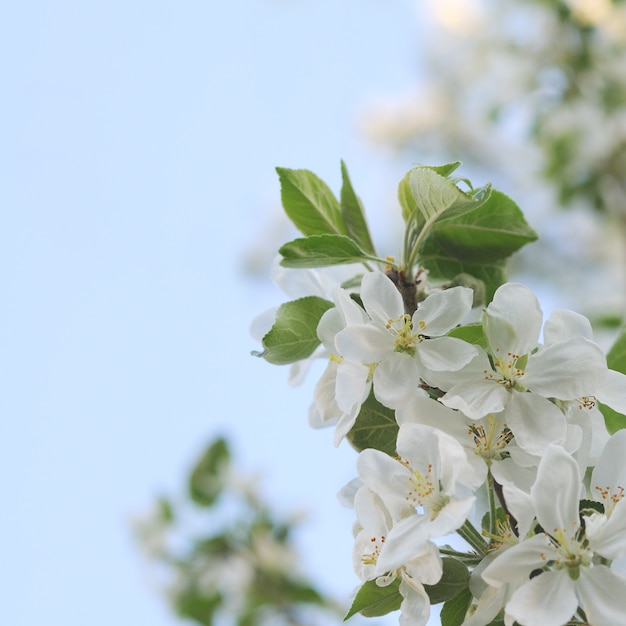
x=556, y=492
x=427, y=567
x=424, y=410
x=365, y=343
x=442, y=311
x=324, y=394
x=415, y=607
x=381, y=298
x=612, y=391
x=564, y=325
x=419, y=445
x=547, y=600
x=609, y=539
x=602, y=594
x=535, y=422
x=405, y=540
x=387, y=477
x=477, y=398
x=329, y=325
x=566, y=370
x=516, y=563
x=513, y=320
x=445, y=354
x=351, y=312
x=396, y=380
x=344, y=426
x=610, y=470
x=352, y=386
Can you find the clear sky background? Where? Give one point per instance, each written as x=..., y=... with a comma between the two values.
x=138, y=146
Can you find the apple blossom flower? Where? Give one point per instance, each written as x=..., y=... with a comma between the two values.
x=401, y=347
x=520, y=377
x=424, y=490
x=374, y=523
x=565, y=566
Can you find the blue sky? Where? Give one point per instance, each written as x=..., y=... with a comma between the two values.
x=138, y=146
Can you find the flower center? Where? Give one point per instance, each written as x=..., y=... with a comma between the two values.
x=506, y=370
x=371, y=558
x=610, y=498
x=406, y=339
x=490, y=439
x=423, y=492
x=571, y=553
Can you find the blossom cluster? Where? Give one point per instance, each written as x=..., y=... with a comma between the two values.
x=475, y=420
x=516, y=415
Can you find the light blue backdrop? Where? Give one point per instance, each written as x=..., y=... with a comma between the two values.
x=137, y=154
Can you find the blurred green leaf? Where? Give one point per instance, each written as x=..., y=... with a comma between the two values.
x=192, y=604
x=206, y=480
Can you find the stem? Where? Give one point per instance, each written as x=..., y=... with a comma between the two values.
x=420, y=238
x=473, y=537
x=491, y=495
x=469, y=558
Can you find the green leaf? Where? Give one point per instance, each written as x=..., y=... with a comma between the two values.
x=454, y=579
x=614, y=421
x=309, y=203
x=206, y=480
x=375, y=427
x=439, y=198
x=353, y=215
x=472, y=333
x=405, y=195
x=374, y=601
x=477, y=243
x=454, y=610
x=321, y=251
x=294, y=334
x=491, y=232
x=406, y=199
x=442, y=267
x=616, y=360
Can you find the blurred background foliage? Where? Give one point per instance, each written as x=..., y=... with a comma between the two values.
x=530, y=94
x=221, y=556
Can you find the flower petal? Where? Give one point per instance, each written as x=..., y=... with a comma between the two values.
x=547, y=600
x=612, y=391
x=396, y=380
x=442, y=311
x=476, y=398
x=445, y=354
x=381, y=298
x=564, y=325
x=566, y=369
x=556, y=491
x=365, y=343
x=602, y=594
x=535, y=422
x=513, y=320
